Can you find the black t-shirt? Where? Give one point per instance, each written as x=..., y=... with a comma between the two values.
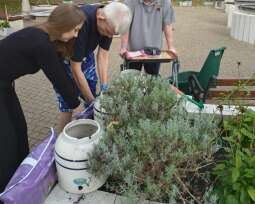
x=89, y=37
x=29, y=50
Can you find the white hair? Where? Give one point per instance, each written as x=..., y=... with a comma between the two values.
x=119, y=16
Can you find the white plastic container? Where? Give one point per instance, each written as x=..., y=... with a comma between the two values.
x=72, y=146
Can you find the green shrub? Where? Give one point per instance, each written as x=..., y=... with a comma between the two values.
x=153, y=149
x=4, y=24
x=236, y=174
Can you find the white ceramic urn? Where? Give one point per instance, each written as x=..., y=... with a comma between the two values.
x=71, y=156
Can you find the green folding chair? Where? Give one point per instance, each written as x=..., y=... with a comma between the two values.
x=197, y=83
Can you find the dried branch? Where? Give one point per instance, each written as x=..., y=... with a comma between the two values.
x=178, y=179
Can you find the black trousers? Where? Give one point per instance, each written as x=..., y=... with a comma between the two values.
x=13, y=133
x=150, y=68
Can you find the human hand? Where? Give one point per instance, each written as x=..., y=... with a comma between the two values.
x=104, y=87
x=87, y=113
x=173, y=50
x=123, y=52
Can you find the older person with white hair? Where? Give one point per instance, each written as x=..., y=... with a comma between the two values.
x=100, y=26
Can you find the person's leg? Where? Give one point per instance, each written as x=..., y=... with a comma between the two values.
x=20, y=126
x=66, y=115
x=152, y=68
x=135, y=65
x=65, y=112
x=89, y=70
x=13, y=137
x=64, y=119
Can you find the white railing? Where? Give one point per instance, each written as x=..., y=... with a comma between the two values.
x=243, y=26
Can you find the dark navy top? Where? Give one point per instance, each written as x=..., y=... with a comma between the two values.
x=89, y=37
x=29, y=50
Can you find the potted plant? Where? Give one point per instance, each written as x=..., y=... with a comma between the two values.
x=4, y=27
x=153, y=149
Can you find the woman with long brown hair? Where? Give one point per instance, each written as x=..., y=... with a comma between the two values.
x=26, y=52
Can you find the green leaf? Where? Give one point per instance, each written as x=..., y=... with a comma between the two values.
x=249, y=173
x=4, y=24
x=235, y=175
x=247, y=133
x=229, y=139
x=247, y=151
x=251, y=192
x=237, y=186
x=219, y=167
x=248, y=119
x=231, y=200
x=244, y=197
x=227, y=149
x=238, y=160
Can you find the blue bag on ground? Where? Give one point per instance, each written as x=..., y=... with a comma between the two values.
x=35, y=176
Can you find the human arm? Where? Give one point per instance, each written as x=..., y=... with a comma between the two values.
x=80, y=51
x=168, y=20
x=168, y=31
x=53, y=67
x=81, y=81
x=103, y=61
x=102, y=65
x=125, y=37
x=124, y=44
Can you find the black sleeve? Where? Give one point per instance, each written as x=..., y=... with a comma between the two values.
x=80, y=45
x=54, y=69
x=105, y=42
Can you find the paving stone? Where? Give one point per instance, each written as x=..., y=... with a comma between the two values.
x=58, y=196
x=123, y=200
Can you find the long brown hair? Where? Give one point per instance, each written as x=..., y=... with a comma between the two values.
x=63, y=19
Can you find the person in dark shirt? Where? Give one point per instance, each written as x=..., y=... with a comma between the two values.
x=26, y=52
x=97, y=32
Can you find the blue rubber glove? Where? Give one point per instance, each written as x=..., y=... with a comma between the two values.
x=104, y=87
